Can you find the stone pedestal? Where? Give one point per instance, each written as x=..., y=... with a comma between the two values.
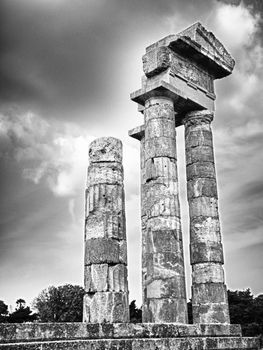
x=124, y=336
x=209, y=294
x=106, y=298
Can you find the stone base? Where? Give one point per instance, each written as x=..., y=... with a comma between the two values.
x=123, y=336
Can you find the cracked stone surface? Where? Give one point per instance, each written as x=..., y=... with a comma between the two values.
x=105, y=270
x=164, y=295
x=178, y=89
x=209, y=295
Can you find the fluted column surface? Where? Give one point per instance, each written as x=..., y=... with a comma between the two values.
x=209, y=294
x=105, y=275
x=163, y=262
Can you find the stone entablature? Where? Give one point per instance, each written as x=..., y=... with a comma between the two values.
x=183, y=67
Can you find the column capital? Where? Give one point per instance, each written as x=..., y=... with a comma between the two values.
x=198, y=117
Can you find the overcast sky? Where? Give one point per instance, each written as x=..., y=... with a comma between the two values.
x=67, y=69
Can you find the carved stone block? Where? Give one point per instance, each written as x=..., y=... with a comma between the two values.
x=166, y=206
x=102, y=250
x=106, y=307
x=203, y=229
x=164, y=265
x=156, y=61
x=173, y=287
x=200, y=154
x=197, y=170
x=201, y=187
x=204, y=293
x=160, y=147
x=206, y=252
x=210, y=313
x=96, y=278
x=104, y=198
x=117, y=278
x=203, y=206
x=166, y=310
x=105, y=225
x=162, y=169
x=165, y=223
x=105, y=149
x=105, y=173
x=160, y=241
x=201, y=137
x=158, y=108
x=160, y=127
x=208, y=273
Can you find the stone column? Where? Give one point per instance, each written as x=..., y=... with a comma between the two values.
x=143, y=230
x=105, y=276
x=165, y=277
x=209, y=294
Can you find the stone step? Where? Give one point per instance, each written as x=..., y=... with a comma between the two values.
x=19, y=332
x=184, y=343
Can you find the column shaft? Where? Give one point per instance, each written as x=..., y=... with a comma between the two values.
x=164, y=283
x=143, y=230
x=105, y=276
x=209, y=294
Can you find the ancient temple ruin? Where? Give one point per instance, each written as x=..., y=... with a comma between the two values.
x=177, y=89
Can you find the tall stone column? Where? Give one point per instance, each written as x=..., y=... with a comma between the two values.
x=165, y=278
x=105, y=276
x=209, y=294
x=143, y=230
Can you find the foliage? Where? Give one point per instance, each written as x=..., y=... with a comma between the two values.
x=247, y=310
x=135, y=313
x=3, y=312
x=60, y=304
x=22, y=313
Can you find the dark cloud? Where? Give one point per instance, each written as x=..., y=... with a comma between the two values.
x=65, y=56
x=252, y=191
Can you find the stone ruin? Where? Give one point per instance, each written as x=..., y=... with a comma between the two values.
x=177, y=89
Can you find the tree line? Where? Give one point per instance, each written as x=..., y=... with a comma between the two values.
x=65, y=303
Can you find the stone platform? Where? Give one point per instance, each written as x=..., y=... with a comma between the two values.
x=123, y=336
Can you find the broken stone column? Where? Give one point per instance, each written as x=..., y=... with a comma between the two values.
x=165, y=277
x=209, y=294
x=105, y=276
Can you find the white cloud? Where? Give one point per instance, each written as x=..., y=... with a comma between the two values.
x=239, y=95
x=235, y=25
x=56, y=155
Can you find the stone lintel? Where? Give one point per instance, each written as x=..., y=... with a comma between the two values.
x=18, y=332
x=203, y=48
x=184, y=97
x=137, y=132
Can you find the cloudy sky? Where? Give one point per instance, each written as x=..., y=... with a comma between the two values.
x=67, y=69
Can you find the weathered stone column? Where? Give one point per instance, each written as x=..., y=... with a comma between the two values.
x=106, y=298
x=165, y=278
x=209, y=294
x=139, y=134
